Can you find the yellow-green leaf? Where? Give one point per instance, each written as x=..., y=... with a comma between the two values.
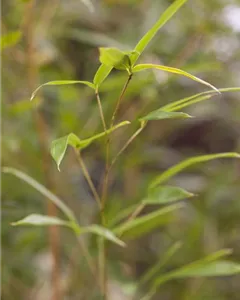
x=187, y=163
x=141, y=67
x=142, y=225
x=105, y=233
x=115, y=58
x=10, y=39
x=101, y=74
x=142, y=44
x=160, y=114
x=166, y=194
x=63, y=82
x=59, y=146
x=41, y=220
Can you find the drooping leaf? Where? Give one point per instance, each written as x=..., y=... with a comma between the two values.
x=166, y=194
x=101, y=74
x=40, y=188
x=41, y=220
x=160, y=114
x=141, y=67
x=10, y=39
x=105, y=233
x=142, y=225
x=171, y=10
x=179, y=104
x=62, y=82
x=114, y=58
x=187, y=163
x=59, y=146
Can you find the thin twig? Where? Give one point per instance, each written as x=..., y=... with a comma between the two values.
x=120, y=99
x=125, y=146
x=101, y=110
x=106, y=173
x=87, y=177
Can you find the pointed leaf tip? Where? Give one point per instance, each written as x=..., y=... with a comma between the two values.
x=62, y=82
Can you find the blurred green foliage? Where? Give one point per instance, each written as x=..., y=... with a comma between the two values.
x=203, y=39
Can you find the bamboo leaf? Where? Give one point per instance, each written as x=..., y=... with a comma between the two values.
x=187, y=163
x=59, y=146
x=114, y=58
x=142, y=225
x=142, y=44
x=105, y=233
x=179, y=104
x=141, y=67
x=200, y=268
x=40, y=188
x=41, y=220
x=216, y=268
x=160, y=114
x=166, y=194
x=101, y=74
x=62, y=82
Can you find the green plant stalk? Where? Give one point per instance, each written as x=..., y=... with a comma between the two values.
x=101, y=110
x=101, y=243
x=85, y=252
x=87, y=176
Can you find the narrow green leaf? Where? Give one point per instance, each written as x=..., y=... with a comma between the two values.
x=166, y=194
x=62, y=82
x=122, y=214
x=162, y=262
x=115, y=58
x=105, y=233
x=171, y=10
x=101, y=74
x=196, y=100
x=160, y=114
x=10, y=39
x=193, y=268
x=41, y=220
x=40, y=188
x=59, y=146
x=141, y=67
x=187, y=163
x=197, y=97
x=142, y=225
x=215, y=268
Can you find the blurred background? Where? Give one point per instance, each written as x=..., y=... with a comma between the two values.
x=59, y=40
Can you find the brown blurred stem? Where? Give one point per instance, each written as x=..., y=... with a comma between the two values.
x=42, y=131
